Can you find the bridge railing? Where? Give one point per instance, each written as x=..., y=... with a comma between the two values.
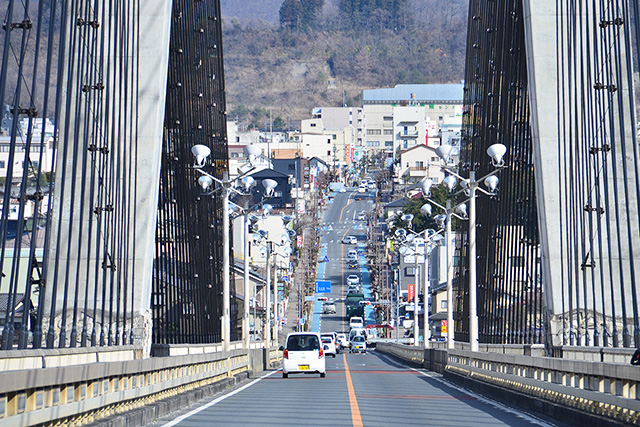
x=588, y=386
x=81, y=385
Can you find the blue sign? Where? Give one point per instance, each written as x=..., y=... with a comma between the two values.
x=284, y=278
x=326, y=259
x=323, y=286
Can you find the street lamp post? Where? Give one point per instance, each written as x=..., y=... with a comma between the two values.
x=269, y=247
x=201, y=153
x=496, y=152
x=445, y=221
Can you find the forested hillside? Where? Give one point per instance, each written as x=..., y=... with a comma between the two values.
x=354, y=44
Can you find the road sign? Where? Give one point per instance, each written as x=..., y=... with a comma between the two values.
x=309, y=298
x=284, y=278
x=323, y=286
x=325, y=259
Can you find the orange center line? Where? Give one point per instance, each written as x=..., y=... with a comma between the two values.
x=353, y=401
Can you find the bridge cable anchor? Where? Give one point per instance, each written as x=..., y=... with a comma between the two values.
x=26, y=24
x=618, y=21
x=87, y=88
x=82, y=23
x=589, y=208
x=29, y=112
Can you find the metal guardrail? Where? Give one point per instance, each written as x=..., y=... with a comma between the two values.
x=78, y=386
x=602, y=389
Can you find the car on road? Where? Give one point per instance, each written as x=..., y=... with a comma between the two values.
x=362, y=189
x=329, y=307
x=358, y=344
x=343, y=341
x=350, y=240
x=303, y=353
x=361, y=216
x=356, y=323
x=329, y=343
x=352, y=255
x=353, y=279
x=352, y=264
x=343, y=190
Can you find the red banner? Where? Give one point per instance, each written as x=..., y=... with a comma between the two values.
x=411, y=292
x=443, y=327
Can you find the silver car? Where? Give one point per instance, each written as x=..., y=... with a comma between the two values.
x=329, y=308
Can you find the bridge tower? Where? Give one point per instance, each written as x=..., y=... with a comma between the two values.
x=558, y=247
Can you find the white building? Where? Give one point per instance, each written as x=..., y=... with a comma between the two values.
x=406, y=115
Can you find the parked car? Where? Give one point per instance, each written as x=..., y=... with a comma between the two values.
x=329, y=307
x=350, y=240
x=353, y=279
x=358, y=344
x=303, y=353
x=329, y=343
x=361, y=216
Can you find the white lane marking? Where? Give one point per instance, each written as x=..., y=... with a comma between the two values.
x=480, y=398
x=215, y=401
x=485, y=400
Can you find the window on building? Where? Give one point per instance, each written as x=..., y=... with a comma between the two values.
x=328, y=153
x=419, y=164
x=441, y=118
x=388, y=131
x=2, y=164
x=409, y=271
x=373, y=143
x=292, y=167
x=235, y=155
x=334, y=137
x=443, y=304
x=388, y=143
x=313, y=125
x=374, y=132
x=237, y=139
x=387, y=118
x=328, y=140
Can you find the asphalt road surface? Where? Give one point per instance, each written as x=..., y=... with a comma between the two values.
x=368, y=389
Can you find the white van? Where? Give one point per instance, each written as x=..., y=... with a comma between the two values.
x=356, y=322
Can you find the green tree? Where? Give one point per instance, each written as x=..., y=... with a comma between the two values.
x=279, y=123
x=421, y=222
x=291, y=13
x=300, y=14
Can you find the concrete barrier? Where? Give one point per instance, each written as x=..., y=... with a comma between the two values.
x=82, y=385
x=569, y=390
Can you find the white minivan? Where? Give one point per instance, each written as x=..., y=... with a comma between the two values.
x=356, y=323
x=303, y=353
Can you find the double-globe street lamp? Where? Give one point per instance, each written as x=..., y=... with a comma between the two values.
x=444, y=221
x=227, y=186
x=261, y=237
x=470, y=186
x=411, y=243
x=250, y=221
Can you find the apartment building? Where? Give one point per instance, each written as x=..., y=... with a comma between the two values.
x=407, y=115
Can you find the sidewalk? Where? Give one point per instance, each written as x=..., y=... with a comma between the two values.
x=292, y=309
